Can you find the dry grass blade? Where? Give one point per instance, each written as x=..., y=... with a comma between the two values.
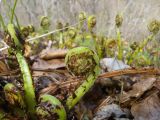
x=131, y=71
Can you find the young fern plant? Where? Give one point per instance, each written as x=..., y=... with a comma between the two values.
x=91, y=22
x=119, y=21
x=60, y=36
x=13, y=95
x=81, y=19
x=154, y=28
x=15, y=99
x=81, y=61
x=45, y=24
x=50, y=107
x=27, y=79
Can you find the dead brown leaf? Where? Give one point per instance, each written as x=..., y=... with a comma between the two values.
x=148, y=109
x=52, y=53
x=48, y=65
x=3, y=67
x=157, y=83
x=27, y=51
x=138, y=88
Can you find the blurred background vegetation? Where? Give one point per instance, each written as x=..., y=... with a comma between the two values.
x=136, y=14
